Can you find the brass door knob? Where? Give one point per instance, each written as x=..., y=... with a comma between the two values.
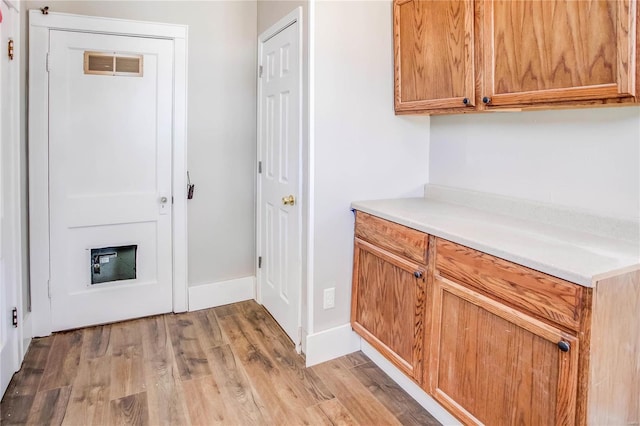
x=289, y=201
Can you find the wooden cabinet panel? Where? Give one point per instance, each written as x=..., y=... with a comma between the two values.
x=434, y=59
x=614, y=376
x=491, y=364
x=398, y=239
x=539, y=294
x=561, y=50
x=388, y=305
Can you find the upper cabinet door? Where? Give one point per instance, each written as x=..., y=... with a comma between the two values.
x=434, y=54
x=558, y=50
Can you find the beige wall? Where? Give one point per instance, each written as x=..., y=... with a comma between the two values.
x=221, y=123
x=269, y=12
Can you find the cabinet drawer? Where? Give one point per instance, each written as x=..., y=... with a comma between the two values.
x=542, y=295
x=398, y=239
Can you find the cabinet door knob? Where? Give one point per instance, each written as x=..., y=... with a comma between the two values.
x=564, y=346
x=465, y=101
x=417, y=274
x=486, y=99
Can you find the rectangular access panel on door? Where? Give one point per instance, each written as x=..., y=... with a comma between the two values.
x=113, y=264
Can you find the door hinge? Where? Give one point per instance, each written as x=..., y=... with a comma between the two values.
x=49, y=288
x=260, y=71
x=48, y=62
x=10, y=49
x=259, y=166
x=172, y=199
x=14, y=316
x=259, y=261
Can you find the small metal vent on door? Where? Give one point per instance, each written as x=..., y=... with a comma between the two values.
x=107, y=63
x=113, y=264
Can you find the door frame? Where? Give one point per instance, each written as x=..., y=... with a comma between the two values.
x=10, y=234
x=286, y=21
x=38, y=142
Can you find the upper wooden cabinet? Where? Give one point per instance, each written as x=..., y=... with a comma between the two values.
x=465, y=56
x=561, y=50
x=434, y=45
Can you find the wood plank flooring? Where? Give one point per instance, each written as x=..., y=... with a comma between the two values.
x=231, y=365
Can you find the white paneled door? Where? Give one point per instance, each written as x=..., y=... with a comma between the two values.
x=279, y=182
x=110, y=138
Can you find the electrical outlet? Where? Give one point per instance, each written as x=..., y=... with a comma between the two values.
x=329, y=298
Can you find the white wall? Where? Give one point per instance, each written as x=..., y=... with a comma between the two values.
x=361, y=150
x=584, y=158
x=221, y=123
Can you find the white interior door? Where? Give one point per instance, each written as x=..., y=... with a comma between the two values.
x=279, y=183
x=9, y=280
x=110, y=128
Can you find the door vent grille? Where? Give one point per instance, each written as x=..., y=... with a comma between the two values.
x=107, y=63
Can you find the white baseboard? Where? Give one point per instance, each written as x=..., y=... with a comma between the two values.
x=303, y=344
x=329, y=344
x=221, y=293
x=428, y=403
x=26, y=334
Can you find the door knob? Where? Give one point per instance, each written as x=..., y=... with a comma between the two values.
x=289, y=201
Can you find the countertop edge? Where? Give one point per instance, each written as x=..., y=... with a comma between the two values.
x=615, y=272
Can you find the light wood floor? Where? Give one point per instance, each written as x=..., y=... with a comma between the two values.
x=230, y=365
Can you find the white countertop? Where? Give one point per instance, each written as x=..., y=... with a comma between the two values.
x=572, y=254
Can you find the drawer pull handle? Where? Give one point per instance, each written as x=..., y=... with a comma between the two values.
x=564, y=346
x=417, y=274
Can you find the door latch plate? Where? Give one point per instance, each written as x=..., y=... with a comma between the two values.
x=10, y=49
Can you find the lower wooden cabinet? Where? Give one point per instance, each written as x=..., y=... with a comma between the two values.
x=490, y=364
x=494, y=342
x=388, y=305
